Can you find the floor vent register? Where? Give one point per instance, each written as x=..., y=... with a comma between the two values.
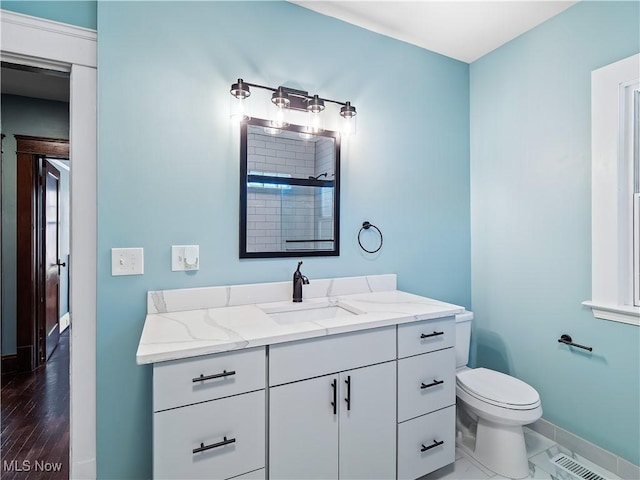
x=575, y=468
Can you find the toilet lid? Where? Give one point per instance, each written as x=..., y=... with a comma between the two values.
x=497, y=388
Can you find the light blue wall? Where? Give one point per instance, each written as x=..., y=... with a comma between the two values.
x=531, y=223
x=39, y=118
x=81, y=13
x=168, y=168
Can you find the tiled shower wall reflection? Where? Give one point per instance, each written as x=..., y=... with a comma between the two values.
x=277, y=213
x=324, y=196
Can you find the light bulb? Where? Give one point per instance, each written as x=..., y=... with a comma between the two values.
x=348, y=126
x=237, y=109
x=348, y=114
x=279, y=119
x=314, y=122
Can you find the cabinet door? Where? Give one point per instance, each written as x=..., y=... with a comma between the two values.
x=368, y=422
x=303, y=429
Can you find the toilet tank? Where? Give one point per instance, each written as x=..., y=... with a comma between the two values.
x=463, y=337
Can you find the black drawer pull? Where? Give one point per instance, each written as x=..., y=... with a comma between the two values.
x=433, y=445
x=202, y=378
x=435, y=382
x=334, y=404
x=348, y=399
x=204, y=448
x=429, y=335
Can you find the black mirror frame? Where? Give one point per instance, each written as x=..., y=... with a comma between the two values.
x=243, y=194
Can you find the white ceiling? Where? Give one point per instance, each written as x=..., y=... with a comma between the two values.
x=464, y=30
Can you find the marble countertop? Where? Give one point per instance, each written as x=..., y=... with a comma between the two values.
x=171, y=335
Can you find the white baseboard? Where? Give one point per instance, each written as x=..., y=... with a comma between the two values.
x=604, y=458
x=64, y=322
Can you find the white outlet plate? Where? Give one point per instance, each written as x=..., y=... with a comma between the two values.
x=127, y=261
x=185, y=257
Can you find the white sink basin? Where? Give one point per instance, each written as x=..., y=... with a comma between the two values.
x=308, y=312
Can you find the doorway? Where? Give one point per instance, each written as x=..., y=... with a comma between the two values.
x=35, y=176
x=39, y=250
x=36, y=42
x=35, y=125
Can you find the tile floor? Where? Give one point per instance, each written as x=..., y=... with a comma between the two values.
x=540, y=450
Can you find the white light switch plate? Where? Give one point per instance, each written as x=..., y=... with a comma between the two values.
x=185, y=257
x=127, y=261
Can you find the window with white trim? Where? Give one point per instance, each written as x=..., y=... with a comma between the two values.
x=615, y=136
x=634, y=187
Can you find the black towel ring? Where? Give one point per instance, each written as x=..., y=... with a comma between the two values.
x=367, y=226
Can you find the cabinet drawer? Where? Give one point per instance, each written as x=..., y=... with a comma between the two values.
x=419, y=448
x=176, y=383
x=426, y=383
x=426, y=336
x=302, y=359
x=178, y=432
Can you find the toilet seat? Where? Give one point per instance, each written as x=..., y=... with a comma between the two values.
x=498, y=389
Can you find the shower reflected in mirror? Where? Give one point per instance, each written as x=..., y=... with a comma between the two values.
x=289, y=191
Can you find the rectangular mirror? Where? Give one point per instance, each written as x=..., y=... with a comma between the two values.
x=289, y=191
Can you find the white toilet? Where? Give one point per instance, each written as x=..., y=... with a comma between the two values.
x=492, y=408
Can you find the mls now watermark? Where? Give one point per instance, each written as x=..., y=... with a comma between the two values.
x=29, y=466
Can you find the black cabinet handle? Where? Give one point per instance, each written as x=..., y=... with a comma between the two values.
x=433, y=445
x=202, y=378
x=204, y=448
x=433, y=384
x=429, y=335
x=348, y=399
x=334, y=404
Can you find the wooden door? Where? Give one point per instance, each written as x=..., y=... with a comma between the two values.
x=50, y=255
x=303, y=430
x=30, y=283
x=368, y=422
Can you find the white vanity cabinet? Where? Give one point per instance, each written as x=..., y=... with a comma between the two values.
x=338, y=425
x=374, y=403
x=209, y=416
x=357, y=382
x=426, y=396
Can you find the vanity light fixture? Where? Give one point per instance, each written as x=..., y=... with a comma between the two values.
x=285, y=98
x=239, y=91
x=315, y=104
x=348, y=114
x=280, y=98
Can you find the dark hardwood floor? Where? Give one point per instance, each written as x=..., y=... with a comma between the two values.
x=34, y=441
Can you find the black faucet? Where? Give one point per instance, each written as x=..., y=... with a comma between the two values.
x=298, y=280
